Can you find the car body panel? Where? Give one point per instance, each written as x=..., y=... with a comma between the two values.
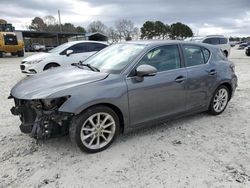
x=167, y=97
x=46, y=84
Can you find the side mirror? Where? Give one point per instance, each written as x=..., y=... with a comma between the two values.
x=145, y=70
x=68, y=52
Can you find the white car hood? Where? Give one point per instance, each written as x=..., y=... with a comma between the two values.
x=39, y=56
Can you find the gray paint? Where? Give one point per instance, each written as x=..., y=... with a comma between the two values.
x=153, y=98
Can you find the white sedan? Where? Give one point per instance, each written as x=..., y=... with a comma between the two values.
x=63, y=55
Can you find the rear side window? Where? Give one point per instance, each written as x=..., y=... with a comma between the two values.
x=97, y=46
x=194, y=55
x=214, y=41
x=206, y=54
x=80, y=48
x=223, y=41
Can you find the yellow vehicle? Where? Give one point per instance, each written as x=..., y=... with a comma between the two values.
x=9, y=42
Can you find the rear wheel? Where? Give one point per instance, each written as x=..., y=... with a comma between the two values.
x=20, y=53
x=51, y=66
x=13, y=53
x=219, y=101
x=1, y=54
x=226, y=53
x=95, y=129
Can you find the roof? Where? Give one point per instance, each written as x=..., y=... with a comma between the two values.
x=44, y=34
x=86, y=41
x=160, y=42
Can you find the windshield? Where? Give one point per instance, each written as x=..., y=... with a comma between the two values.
x=60, y=48
x=115, y=58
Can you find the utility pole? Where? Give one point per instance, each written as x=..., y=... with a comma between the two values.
x=60, y=24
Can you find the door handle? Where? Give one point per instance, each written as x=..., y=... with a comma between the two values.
x=212, y=72
x=180, y=79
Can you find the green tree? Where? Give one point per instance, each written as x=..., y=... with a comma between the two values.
x=157, y=29
x=147, y=30
x=80, y=29
x=180, y=31
x=38, y=24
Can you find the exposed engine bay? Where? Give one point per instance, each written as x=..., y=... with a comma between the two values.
x=41, y=118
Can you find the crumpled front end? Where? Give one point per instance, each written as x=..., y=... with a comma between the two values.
x=41, y=117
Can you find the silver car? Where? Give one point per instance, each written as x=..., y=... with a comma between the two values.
x=123, y=87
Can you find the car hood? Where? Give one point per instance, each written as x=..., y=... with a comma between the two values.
x=38, y=56
x=47, y=83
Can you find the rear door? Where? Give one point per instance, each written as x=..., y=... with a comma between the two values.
x=201, y=75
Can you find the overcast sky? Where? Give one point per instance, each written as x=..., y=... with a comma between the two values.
x=229, y=17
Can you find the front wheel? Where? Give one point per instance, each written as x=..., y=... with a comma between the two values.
x=95, y=129
x=219, y=101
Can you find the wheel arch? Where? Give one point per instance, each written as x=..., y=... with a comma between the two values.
x=229, y=87
x=51, y=63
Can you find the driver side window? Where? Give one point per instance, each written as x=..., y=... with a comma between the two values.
x=163, y=58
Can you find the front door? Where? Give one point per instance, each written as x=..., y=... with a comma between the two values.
x=163, y=94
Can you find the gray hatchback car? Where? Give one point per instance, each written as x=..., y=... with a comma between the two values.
x=123, y=87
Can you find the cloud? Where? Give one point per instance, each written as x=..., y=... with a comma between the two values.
x=228, y=17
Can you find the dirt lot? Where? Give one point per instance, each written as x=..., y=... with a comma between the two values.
x=196, y=151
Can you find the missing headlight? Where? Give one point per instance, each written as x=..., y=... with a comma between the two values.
x=49, y=104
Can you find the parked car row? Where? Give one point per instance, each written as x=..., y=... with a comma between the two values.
x=120, y=88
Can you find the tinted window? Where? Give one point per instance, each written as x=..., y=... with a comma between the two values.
x=162, y=58
x=97, y=46
x=193, y=55
x=206, y=54
x=213, y=41
x=223, y=41
x=80, y=48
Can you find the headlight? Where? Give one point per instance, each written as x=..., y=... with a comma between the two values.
x=34, y=62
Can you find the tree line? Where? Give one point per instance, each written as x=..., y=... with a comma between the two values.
x=121, y=30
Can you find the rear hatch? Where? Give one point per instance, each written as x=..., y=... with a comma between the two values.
x=10, y=39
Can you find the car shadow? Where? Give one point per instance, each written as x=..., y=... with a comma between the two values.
x=64, y=144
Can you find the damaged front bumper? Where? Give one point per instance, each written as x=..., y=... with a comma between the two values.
x=41, y=118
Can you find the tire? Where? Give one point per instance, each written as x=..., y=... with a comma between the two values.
x=219, y=103
x=226, y=53
x=13, y=53
x=50, y=66
x=1, y=54
x=20, y=53
x=81, y=127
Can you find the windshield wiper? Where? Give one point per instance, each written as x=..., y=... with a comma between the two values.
x=91, y=67
x=80, y=65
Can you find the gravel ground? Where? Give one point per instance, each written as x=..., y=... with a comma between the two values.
x=195, y=151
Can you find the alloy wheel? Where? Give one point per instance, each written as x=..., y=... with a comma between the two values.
x=98, y=130
x=220, y=100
